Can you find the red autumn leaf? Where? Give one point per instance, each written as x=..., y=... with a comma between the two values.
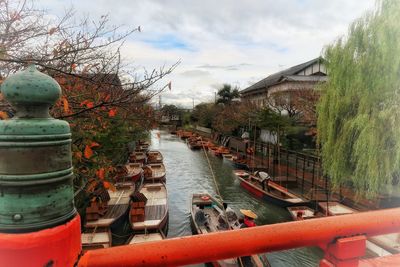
x=108, y=185
x=89, y=104
x=88, y=152
x=65, y=104
x=112, y=112
x=84, y=103
x=94, y=144
x=100, y=173
x=73, y=66
x=108, y=96
x=3, y=115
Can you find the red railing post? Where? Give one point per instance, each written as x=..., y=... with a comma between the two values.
x=345, y=252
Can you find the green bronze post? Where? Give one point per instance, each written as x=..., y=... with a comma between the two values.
x=36, y=190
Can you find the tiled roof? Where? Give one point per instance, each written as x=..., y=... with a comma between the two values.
x=276, y=77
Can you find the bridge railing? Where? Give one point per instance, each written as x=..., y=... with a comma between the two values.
x=343, y=239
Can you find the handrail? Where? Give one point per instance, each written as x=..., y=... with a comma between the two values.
x=248, y=241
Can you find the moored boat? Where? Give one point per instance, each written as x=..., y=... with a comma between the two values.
x=149, y=209
x=195, y=145
x=138, y=156
x=241, y=164
x=106, y=212
x=154, y=173
x=96, y=239
x=154, y=157
x=335, y=208
x=134, y=171
x=207, y=216
x=184, y=134
x=142, y=146
x=229, y=157
x=147, y=237
x=220, y=151
x=269, y=191
x=303, y=213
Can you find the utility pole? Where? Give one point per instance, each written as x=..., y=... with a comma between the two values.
x=159, y=101
x=193, y=101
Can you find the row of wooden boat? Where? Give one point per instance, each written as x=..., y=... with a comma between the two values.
x=138, y=205
x=147, y=157
x=151, y=164
x=148, y=214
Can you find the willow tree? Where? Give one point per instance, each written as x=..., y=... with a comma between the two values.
x=359, y=113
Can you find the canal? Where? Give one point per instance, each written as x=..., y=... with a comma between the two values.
x=188, y=172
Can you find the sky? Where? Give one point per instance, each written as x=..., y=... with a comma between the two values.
x=225, y=41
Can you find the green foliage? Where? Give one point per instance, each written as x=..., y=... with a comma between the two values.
x=272, y=121
x=170, y=110
x=358, y=114
x=227, y=93
x=204, y=113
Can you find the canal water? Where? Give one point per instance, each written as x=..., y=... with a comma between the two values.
x=188, y=172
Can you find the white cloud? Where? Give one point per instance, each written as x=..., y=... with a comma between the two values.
x=237, y=42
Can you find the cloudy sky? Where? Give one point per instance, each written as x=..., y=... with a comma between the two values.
x=236, y=42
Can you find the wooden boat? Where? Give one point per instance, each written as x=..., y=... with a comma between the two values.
x=207, y=216
x=220, y=151
x=106, y=215
x=138, y=156
x=206, y=144
x=268, y=190
x=142, y=146
x=299, y=213
x=154, y=157
x=143, y=238
x=95, y=239
x=195, y=145
x=184, y=134
x=229, y=157
x=149, y=209
x=335, y=208
x=134, y=171
x=154, y=173
x=240, y=163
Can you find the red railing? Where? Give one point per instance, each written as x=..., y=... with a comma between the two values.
x=324, y=232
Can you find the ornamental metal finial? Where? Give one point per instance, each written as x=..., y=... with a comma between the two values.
x=35, y=156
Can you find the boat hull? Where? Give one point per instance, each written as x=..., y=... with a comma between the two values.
x=258, y=192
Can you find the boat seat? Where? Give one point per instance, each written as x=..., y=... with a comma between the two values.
x=153, y=187
x=295, y=200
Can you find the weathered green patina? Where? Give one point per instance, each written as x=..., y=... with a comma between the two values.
x=36, y=189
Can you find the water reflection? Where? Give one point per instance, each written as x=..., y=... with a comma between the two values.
x=188, y=172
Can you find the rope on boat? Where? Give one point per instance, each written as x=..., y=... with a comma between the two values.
x=212, y=174
x=240, y=263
